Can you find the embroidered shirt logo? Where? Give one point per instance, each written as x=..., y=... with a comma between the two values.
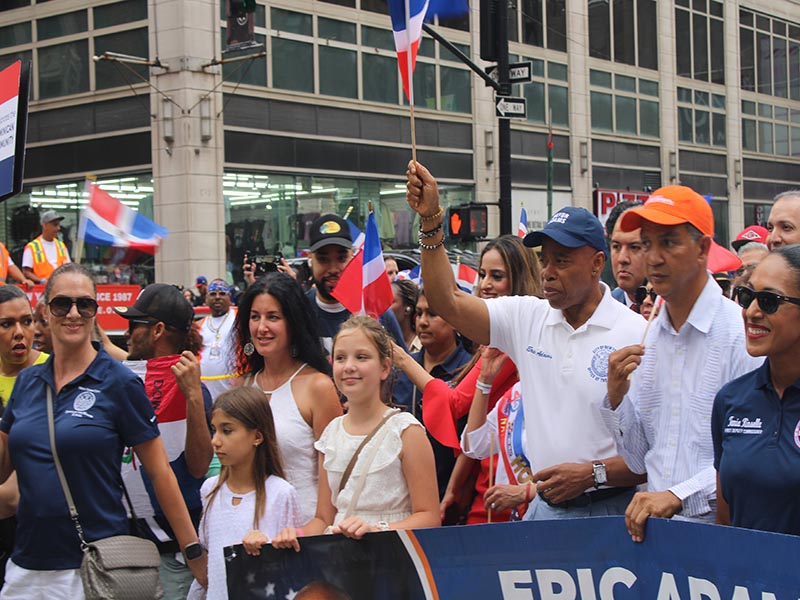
x=598, y=370
x=747, y=426
x=82, y=403
x=537, y=352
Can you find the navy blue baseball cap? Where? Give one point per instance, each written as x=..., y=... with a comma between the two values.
x=572, y=227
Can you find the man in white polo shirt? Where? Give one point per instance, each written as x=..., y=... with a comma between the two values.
x=560, y=347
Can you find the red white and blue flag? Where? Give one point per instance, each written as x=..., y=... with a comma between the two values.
x=356, y=235
x=9, y=104
x=466, y=277
x=522, y=230
x=364, y=286
x=407, y=28
x=108, y=222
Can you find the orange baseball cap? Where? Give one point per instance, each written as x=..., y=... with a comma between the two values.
x=671, y=205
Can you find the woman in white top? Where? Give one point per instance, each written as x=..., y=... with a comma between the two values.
x=393, y=482
x=278, y=351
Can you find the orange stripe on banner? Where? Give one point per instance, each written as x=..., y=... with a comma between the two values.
x=425, y=564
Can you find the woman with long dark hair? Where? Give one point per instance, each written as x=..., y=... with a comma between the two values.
x=279, y=352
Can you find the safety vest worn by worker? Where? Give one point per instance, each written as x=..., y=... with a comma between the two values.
x=3, y=263
x=41, y=266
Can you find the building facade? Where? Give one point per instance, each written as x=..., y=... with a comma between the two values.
x=242, y=156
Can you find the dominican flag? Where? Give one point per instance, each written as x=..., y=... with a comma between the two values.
x=522, y=230
x=466, y=277
x=407, y=28
x=356, y=235
x=169, y=406
x=412, y=275
x=364, y=286
x=108, y=222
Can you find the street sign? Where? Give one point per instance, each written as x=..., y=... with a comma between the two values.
x=517, y=72
x=509, y=107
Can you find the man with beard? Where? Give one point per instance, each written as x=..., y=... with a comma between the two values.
x=162, y=344
x=217, y=358
x=331, y=251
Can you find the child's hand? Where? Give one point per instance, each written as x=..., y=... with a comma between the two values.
x=253, y=542
x=354, y=527
x=286, y=538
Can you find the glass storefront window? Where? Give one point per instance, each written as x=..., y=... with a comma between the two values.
x=20, y=218
x=267, y=214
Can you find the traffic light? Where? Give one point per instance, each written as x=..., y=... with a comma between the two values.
x=488, y=24
x=468, y=222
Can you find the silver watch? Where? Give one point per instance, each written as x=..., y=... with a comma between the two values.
x=600, y=475
x=382, y=525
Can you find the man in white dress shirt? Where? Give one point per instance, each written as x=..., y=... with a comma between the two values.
x=661, y=415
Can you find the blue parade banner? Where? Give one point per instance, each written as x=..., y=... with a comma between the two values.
x=579, y=559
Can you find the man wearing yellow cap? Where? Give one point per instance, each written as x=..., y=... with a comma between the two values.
x=660, y=393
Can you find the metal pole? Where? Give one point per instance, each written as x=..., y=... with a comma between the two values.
x=504, y=137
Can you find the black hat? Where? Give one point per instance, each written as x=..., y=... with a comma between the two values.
x=330, y=229
x=160, y=302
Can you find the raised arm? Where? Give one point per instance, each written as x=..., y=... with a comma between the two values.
x=198, y=451
x=467, y=313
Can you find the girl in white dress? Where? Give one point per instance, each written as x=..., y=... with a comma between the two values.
x=249, y=501
x=393, y=482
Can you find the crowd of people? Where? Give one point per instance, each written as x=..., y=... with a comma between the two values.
x=545, y=394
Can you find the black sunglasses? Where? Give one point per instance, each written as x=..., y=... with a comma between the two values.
x=768, y=302
x=642, y=293
x=132, y=323
x=61, y=305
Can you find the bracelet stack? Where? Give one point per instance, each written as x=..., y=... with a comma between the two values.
x=485, y=388
x=424, y=235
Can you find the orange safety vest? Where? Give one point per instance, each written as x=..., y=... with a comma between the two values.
x=41, y=266
x=3, y=263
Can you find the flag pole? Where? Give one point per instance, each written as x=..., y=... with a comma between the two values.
x=411, y=82
x=347, y=213
x=82, y=221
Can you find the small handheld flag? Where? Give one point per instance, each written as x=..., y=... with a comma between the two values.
x=522, y=230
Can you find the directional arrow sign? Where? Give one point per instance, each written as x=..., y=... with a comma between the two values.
x=509, y=107
x=517, y=72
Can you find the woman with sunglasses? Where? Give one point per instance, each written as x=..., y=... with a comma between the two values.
x=756, y=418
x=646, y=299
x=100, y=408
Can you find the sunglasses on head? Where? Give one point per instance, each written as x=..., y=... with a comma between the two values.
x=61, y=305
x=642, y=292
x=768, y=302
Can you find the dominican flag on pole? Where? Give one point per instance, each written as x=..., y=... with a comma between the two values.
x=522, y=230
x=356, y=235
x=407, y=18
x=364, y=286
x=466, y=277
x=108, y=222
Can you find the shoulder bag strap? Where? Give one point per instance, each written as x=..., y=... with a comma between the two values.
x=73, y=512
x=369, y=457
x=349, y=470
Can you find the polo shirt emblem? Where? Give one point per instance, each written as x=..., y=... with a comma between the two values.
x=797, y=434
x=598, y=370
x=82, y=403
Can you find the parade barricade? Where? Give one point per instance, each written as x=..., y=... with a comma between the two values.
x=579, y=559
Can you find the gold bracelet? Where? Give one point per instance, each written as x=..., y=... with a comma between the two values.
x=435, y=215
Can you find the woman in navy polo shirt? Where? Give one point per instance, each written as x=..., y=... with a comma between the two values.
x=100, y=409
x=756, y=418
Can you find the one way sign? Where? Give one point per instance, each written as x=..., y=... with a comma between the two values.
x=509, y=107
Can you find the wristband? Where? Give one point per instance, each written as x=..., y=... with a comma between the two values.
x=430, y=233
x=435, y=215
x=425, y=246
x=485, y=388
x=528, y=496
